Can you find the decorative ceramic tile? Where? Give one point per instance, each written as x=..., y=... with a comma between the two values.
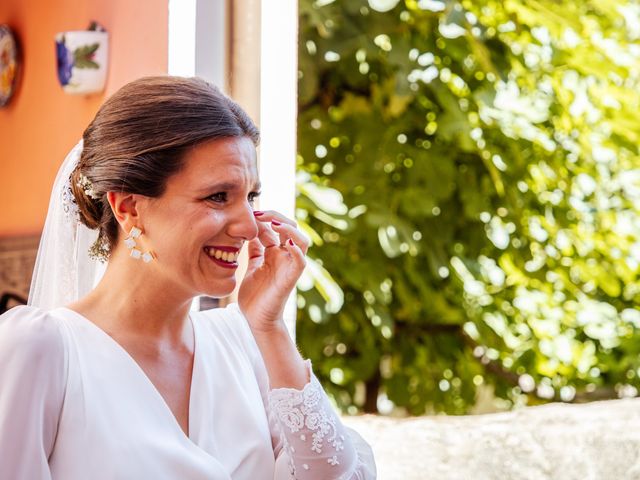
x=8, y=64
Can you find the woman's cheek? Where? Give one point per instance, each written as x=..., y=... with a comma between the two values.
x=217, y=219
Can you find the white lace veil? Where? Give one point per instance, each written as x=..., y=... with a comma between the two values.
x=64, y=271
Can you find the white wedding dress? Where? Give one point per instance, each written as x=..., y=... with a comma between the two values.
x=74, y=405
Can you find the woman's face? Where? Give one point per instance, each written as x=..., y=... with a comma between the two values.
x=198, y=226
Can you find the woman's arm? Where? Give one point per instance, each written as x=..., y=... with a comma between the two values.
x=309, y=440
x=276, y=261
x=315, y=442
x=284, y=364
x=312, y=436
x=317, y=445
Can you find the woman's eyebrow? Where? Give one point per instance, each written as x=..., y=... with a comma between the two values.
x=228, y=187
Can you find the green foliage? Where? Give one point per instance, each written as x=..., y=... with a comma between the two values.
x=469, y=175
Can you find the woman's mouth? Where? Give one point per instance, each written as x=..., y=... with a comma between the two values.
x=224, y=256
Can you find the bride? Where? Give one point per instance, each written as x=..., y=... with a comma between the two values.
x=122, y=380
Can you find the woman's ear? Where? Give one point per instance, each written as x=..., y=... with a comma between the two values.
x=125, y=208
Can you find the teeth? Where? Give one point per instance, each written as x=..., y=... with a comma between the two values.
x=221, y=255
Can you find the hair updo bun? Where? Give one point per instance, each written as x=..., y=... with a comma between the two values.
x=90, y=206
x=138, y=139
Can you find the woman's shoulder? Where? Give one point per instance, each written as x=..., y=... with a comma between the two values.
x=227, y=324
x=227, y=319
x=30, y=331
x=33, y=381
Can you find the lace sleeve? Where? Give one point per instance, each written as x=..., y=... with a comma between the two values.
x=316, y=443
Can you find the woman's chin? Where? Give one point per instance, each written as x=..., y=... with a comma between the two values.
x=220, y=290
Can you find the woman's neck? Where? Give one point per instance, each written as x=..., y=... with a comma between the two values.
x=130, y=300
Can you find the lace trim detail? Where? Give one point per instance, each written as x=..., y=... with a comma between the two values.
x=303, y=411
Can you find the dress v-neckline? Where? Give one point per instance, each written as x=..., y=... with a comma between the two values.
x=194, y=371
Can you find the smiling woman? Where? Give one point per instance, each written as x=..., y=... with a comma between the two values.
x=120, y=380
x=204, y=214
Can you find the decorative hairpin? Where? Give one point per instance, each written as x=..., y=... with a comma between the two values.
x=87, y=187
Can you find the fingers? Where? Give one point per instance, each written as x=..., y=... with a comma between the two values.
x=284, y=227
x=278, y=239
x=256, y=246
x=288, y=233
x=267, y=236
x=270, y=215
x=255, y=250
x=296, y=254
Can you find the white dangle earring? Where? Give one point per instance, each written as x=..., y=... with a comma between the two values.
x=131, y=244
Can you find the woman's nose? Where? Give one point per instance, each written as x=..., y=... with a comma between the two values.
x=244, y=225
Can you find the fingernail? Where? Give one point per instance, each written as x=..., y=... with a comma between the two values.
x=276, y=223
x=257, y=213
x=291, y=242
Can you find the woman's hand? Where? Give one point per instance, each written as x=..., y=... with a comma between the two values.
x=276, y=261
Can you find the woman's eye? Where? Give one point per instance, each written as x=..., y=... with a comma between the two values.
x=253, y=196
x=220, y=197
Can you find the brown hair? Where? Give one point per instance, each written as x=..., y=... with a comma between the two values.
x=138, y=139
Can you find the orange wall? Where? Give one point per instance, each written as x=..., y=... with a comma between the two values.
x=41, y=123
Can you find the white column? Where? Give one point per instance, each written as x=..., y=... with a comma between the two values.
x=182, y=37
x=278, y=112
x=212, y=42
x=198, y=40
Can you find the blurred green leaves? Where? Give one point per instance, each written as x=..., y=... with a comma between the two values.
x=469, y=176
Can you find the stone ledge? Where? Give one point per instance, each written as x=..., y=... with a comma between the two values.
x=595, y=441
